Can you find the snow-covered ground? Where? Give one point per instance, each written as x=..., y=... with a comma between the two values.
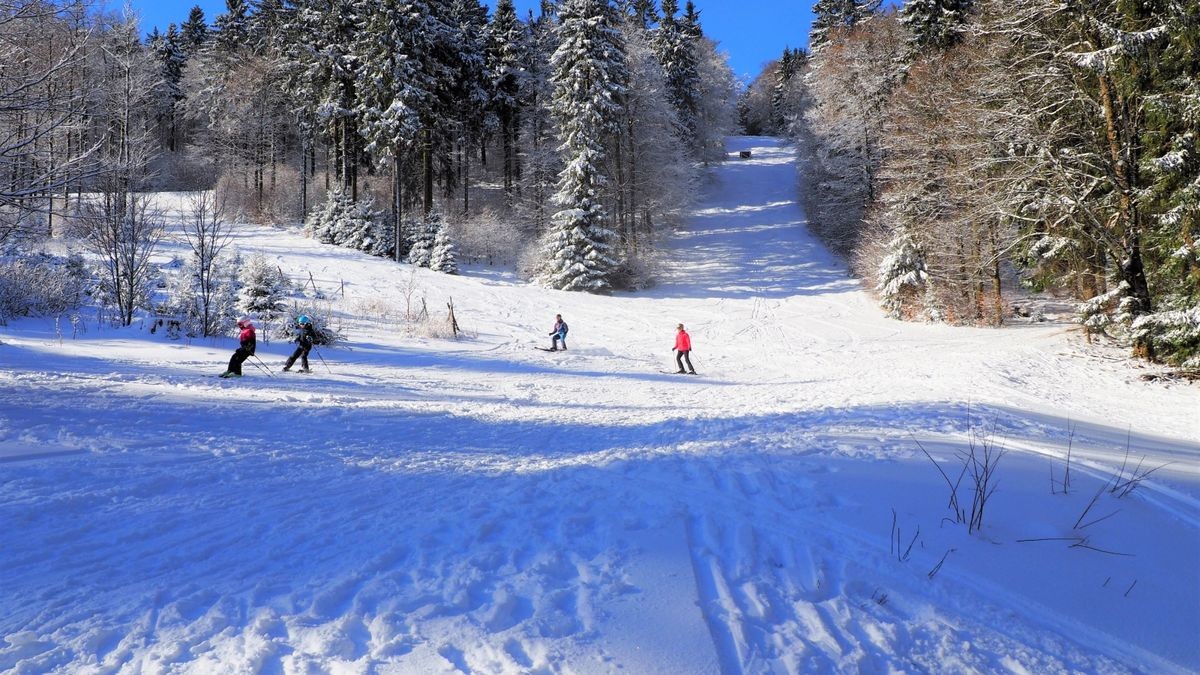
x=426, y=506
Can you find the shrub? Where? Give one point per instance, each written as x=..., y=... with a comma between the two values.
x=43, y=286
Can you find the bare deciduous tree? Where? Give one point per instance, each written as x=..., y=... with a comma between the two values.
x=207, y=235
x=122, y=229
x=43, y=47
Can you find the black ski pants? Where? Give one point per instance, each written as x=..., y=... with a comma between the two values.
x=301, y=353
x=239, y=356
x=681, y=356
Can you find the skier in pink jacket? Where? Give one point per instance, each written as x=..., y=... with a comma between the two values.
x=683, y=347
x=245, y=348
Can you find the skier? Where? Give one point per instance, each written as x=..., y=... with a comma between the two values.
x=559, y=333
x=306, y=337
x=245, y=350
x=683, y=347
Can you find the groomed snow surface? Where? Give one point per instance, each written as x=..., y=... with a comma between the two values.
x=432, y=506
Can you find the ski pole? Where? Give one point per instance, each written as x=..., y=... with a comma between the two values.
x=262, y=366
x=318, y=352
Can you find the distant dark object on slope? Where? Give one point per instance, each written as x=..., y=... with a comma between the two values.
x=744, y=154
x=1173, y=376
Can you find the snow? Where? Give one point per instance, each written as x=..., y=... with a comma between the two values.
x=428, y=505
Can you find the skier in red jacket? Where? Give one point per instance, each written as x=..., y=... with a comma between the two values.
x=683, y=347
x=245, y=349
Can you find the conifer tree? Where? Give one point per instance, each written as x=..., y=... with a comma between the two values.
x=193, y=32
x=322, y=73
x=232, y=28
x=642, y=13
x=420, y=252
x=467, y=116
x=691, y=21
x=935, y=24
x=507, y=44
x=789, y=63
x=833, y=14
x=1171, y=143
x=396, y=88
x=541, y=161
x=265, y=26
x=263, y=289
x=677, y=54
x=443, y=256
x=171, y=59
x=589, y=77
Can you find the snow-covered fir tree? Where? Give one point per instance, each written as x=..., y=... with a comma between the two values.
x=508, y=41
x=264, y=289
x=171, y=57
x=833, y=14
x=231, y=29
x=397, y=89
x=540, y=167
x=467, y=117
x=676, y=50
x=642, y=13
x=589, y=78
x=355, y=224
x=444, y=255
x=359, y=227
x=902, y=275
x=325, y=222
x=420, y=252
x=789, y=64
x=935, y=24
x=321, y=76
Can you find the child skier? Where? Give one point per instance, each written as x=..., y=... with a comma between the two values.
x=559, y=333
x=683, y=348
x=245, y=349
x=306, y=337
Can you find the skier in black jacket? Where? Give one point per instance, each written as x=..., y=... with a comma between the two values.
x=306, y=337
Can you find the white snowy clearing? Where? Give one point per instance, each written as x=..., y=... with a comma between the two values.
x=428, y=506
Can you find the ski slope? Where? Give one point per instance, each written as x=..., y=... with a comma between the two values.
x=418, y=505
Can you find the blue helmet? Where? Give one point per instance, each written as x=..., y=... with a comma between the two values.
x=303, y=319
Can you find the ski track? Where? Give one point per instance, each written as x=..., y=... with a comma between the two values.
x=482, y=507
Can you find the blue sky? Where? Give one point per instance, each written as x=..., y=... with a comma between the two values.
x=751, y=31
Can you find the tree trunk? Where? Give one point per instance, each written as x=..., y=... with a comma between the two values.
x=427, y=165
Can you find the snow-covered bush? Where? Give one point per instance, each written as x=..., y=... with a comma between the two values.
x=637, y=272
x=486, y=237
x=263, y=289
x=328, y=333
x=44, y=286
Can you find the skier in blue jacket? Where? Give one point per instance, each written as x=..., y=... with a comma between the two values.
x=559, y=333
